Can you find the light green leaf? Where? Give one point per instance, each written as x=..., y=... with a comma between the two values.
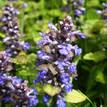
x=23, y=58
x=92, y=26
x=100, y=77
x=75, y=97
x=92, y=15
x=20, y=59
x=51, y=90
x=24, y=73
x=2, y=35
x=76, y=60
x=64, y=2
x=93, y=3
x=96, y=56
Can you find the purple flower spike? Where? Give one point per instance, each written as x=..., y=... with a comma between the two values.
x=61, y=102
x=16, y=91
x=25, y=45
x=55, y=59
x=72, y=68
x=11, y=30
x=68, y=87
x=46, y=98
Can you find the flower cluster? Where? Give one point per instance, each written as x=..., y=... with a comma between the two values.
x=5, y=63
x=78, y=8
x=75, y=6
x=11, y=29
x=58, y=49
x=13, y=45
x=14, y=90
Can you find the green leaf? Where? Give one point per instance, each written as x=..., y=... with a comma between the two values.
x=76, y=60
x=92, y=15
x=100, y=77
x=75, y=97
x=51, y=90
x=88, y=27
x=2, y=35
x=96, y=56
x=92, y=3
x=23, y=73
x=64, y=2
x=21, y=58
x=55, y=12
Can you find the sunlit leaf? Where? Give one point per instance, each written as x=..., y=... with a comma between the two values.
x=93, y=3
x=2, y=35
x=20, y=59
x=51, y=90
x=88, y=27
x=75, y=97
x=100, y=77
x=96, y=56
x=24, y=73
x=23, y=58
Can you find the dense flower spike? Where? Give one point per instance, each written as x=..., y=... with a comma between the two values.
x=54, y=60
x=11, y=29
x=76, y=6
x=60, y=102
x=13, y=45
x=5, y=63
x=46, y=99
x=14, y=90
x=77, y=9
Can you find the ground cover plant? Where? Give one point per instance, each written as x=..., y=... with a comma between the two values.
x=53, y=53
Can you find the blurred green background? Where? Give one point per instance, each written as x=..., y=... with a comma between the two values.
x=92, y=67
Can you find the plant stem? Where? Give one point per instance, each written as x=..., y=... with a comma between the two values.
x=54, y=101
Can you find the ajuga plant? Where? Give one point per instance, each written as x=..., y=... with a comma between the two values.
x=11, y=29
x=55, y=59
x=76, y=8
x=78, y=11
x=5, y=63
x=13, y=90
